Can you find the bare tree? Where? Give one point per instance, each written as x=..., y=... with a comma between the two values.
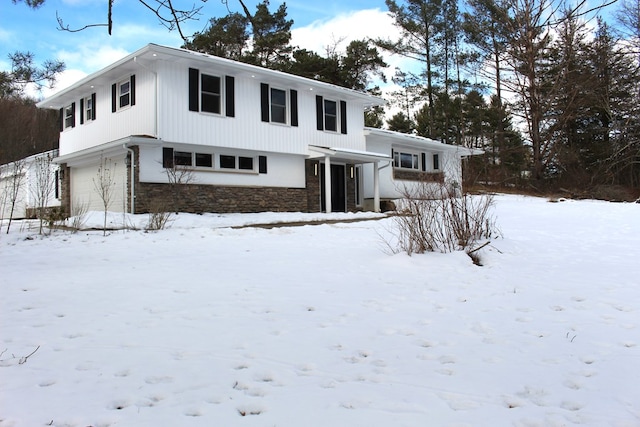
x=105, y=185
x=12, y=187
x=42, y=186
x=170, y=13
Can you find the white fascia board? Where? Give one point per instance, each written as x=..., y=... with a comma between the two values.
x=350, y=155
x=110, y=148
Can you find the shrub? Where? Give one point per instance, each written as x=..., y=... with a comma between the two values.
x=435, y=217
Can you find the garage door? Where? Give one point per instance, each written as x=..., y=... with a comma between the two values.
x=85, y=182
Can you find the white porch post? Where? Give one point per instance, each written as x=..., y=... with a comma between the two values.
x=376, y=187
x=327, y=183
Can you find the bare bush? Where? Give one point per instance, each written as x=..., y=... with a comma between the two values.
x=104, y=184
x=78, y=215
x=436, y=218
x=159, y=217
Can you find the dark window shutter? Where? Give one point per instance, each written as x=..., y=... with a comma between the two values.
x=82, y=112
x=319, y=113
x=229, y=90
x=436, y=162
x=264, y=101
x=73, y=114
x=424, y=162
x=167, y=157
x=293, y=94
x=61, y=119
x=262, y=164
x=133, y=89
x=193, y=89
x=93, y=106
x=343, y=117
x=114, y=97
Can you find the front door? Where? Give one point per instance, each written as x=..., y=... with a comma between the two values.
x=338, y=190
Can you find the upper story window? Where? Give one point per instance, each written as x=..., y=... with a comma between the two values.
x=331, y=115
x=211, y=94
x=70, y=116
x=278, y=105
x=436, y=162
x=123, y=94
x=88, y=109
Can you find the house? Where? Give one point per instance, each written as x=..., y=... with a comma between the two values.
x=29, y=184
x=193, y=132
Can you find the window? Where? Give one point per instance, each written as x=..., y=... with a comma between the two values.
x=436, y=162
x=123, y=94
x=405, y=160
x=204, y=160
x=88, y=109
x=70, y=116
x=278, y=106
x=227, y=162
x=210, y=94
x=330, y=115
x=182, y=158
x=245, y=163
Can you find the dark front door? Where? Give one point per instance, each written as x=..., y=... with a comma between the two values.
x=338, y=190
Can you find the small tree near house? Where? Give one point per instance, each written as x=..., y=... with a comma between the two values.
x=105, y=185
x=12, y=187
x=43, y=186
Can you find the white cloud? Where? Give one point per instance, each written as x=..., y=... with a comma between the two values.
x=346, y=27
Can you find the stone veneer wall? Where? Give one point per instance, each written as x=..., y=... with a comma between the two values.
x=407, y=175
x=351, y=188
x=65, y=189
x=196, y=198
x=312, y=178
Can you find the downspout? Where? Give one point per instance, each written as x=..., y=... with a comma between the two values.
x=133, y=177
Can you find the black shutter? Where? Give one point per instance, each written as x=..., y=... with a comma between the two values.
x=167, y=157
x=343, y=117
x=424, y=162
x=194, y=75
x=114, y=97
x=82, y=112
x=264, y=101
x=262, y=164
x=61, y=119
x=319, y=113
x=133, y=89
x=293, y=94
x=229, y=90
x=73, y=114
x=93, y=106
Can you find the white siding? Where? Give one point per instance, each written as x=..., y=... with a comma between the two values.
x=83, y=186
x=138, y=119
x=246, y=130
x=283, y=170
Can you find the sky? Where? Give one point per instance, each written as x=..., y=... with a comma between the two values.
x=316, y=25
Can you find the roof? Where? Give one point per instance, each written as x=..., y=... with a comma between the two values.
x=415, y=141
x=151, y=53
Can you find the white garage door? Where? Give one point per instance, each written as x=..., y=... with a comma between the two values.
x=85, y=186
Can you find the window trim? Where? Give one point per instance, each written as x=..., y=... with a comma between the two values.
x=69, y=119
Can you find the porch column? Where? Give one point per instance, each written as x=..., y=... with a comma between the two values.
x=327, y=183
x=376, y=187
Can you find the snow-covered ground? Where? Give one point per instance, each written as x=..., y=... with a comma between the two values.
x=206, y=325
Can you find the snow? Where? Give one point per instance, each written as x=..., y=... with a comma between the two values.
x=320, y=325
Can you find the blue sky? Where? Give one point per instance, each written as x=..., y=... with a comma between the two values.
x=316, y=25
